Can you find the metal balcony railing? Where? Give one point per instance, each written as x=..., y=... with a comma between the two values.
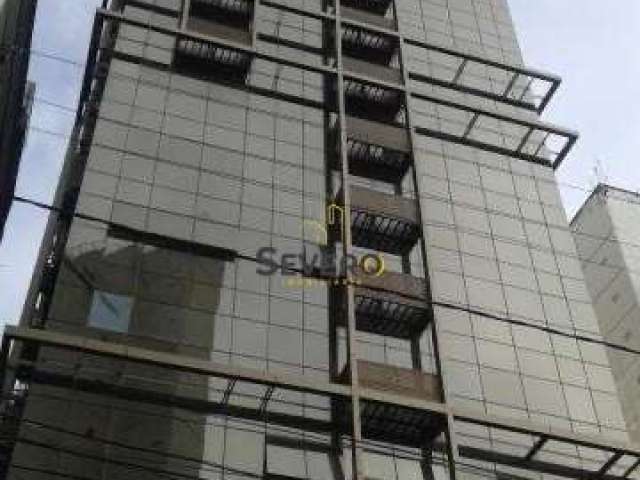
x=377, y=151
x=369, y=45
x=229, y=12
x=382, y=222
x=209, y=59
x=368, y=100
x=389, y=423
x=393, y=305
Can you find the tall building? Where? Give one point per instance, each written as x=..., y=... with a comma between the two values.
x=605, y=231
x=16, y=94
x=302, y=235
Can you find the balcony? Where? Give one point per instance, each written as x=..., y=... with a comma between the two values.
x=369, y=45
x=210, y=59
x=373, y=101
x=383, y=222
x=214, y=59
x=377, y=151
x=390, y=423
x=393, y=305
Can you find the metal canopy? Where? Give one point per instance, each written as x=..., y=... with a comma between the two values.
x=619, y=460
x=548, y=451
x=399, y=416
x=530, y=140
x=520, y=87
x=367, y=95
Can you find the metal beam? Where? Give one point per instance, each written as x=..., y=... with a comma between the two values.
x=297, y=383
x=536, y=124
x=553, y=80
x=470, y=125
x=231, y=45
x=526, y=89
x=631, y=469
x=570, y=135
x=530, y=428
x=451, y=446
x=460, y=70
x=536, y=448
x=524, y=71
x=539, y=466
x=529, y=72
x=180, y=363
x=525, y=139
x=610, y=463
x=510, y=85
x=481, y=145
x=191, y=404
x=348, y=301
x=547, y=98
x=564, y=152
x=421, y=77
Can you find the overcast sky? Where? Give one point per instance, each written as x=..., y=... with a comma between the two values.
x=591, y=44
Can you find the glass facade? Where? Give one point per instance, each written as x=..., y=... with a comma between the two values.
x=210, y=142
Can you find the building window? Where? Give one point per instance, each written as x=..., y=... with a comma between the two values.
x=289, y=459
x=110, y=311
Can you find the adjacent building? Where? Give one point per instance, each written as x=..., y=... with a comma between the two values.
x=300, y=232
x=605, y=231
x=16, y=94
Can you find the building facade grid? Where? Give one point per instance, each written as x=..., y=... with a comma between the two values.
x=232, y=130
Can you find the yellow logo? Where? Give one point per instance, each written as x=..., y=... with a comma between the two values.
x=322, y=267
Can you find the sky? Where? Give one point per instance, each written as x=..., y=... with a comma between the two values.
x=591, y=44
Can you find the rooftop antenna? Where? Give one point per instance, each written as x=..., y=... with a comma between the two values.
x=598, y=174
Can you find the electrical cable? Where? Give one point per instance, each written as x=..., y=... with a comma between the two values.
x=395, y=451
x=61, y=58
x=480, y=313
x=440, y=304
x=486, y=210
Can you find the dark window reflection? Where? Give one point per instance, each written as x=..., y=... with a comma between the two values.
x=110, y=311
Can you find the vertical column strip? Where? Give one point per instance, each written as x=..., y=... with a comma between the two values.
x=356, y=425
x=452, y=447
x=186, y=8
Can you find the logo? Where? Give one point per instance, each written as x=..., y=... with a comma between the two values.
x=322, y=266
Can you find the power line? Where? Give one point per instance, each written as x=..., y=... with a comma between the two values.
x=60, y=58
x=448, y=199
x=526, y=244
x=550, y=330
